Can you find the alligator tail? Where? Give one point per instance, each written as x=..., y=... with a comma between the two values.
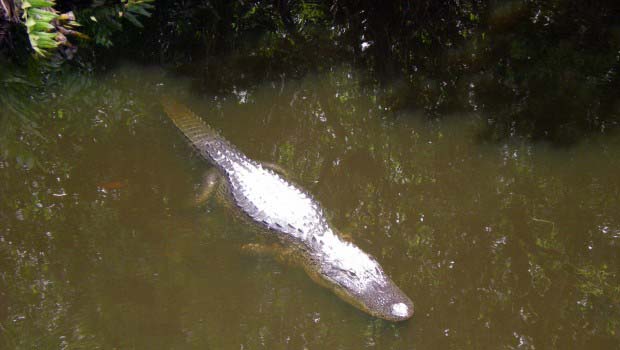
x=196, y=130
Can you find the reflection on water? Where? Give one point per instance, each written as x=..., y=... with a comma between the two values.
x=511, y=245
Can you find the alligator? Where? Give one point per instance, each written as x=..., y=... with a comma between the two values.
x=282, y=208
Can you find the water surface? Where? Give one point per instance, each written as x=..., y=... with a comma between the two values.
x=510, y=245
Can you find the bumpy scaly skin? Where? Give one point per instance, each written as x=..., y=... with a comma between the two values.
x=297, y=219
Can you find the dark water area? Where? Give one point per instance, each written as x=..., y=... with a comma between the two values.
x=547, y=71
x=510, y=244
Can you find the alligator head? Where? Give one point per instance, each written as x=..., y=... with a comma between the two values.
x=358, y=279
x=379, y=297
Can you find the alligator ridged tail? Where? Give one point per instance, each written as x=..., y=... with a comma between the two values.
x=196, y=130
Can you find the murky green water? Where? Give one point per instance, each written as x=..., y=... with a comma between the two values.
x=500, y=246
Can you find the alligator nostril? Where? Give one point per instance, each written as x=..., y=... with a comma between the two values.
x=400, y=310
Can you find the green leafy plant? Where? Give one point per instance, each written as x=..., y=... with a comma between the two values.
x=47, y=28
x=135, y=8
x=102, y=20
x=38, y=16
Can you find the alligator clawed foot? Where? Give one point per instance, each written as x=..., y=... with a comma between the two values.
x=255, y=248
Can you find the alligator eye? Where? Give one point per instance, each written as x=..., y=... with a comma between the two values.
x=400, y=310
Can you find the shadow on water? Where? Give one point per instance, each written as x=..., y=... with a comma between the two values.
x=500, y=245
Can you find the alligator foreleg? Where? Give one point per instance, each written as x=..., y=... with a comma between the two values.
x=277, y=251
x=347, y=236
x=275, y=167
x=210, y=181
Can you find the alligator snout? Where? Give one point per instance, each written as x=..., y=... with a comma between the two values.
x=401, y=310
x=388, y=302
